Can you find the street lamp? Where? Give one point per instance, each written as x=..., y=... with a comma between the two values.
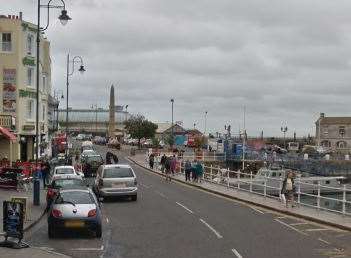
x=172, y=101
x=64, y=18
x=58, y=94
x=284, y=130
x=205, y=123
x=126, y=118
x=76, y=59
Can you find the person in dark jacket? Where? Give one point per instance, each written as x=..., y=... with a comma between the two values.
x=111, y=158
x=168, y=168
x=151, y=160
x=289, y=188
x=162, y=162
x=187, y=168
x=45, y=172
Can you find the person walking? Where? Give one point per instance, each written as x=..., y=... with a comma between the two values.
x=199, y=171
x=162, y=162
x=45, y=172
x=193, y=172
x=173, y=164
x=288, y=189
x=168, y=168
x=187, y=168
x=151, y=160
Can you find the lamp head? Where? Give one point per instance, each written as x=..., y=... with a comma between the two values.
x=81, y=69
x=64, y=18
x=62, y=97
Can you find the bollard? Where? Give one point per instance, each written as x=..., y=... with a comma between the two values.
x=36, y=191
x=344, y=200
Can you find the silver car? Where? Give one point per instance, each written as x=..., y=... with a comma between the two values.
x=116, y=180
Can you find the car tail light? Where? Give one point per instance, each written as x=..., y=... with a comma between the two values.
x=101, y=182
x=92, y=213
x=56, y=213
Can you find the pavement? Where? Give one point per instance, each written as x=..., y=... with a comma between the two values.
x=177, y=220
x=309, y=213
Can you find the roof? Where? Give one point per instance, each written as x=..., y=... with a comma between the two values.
x=334, y=120
x=162, y=127
x=7, y=134
x=193, y=131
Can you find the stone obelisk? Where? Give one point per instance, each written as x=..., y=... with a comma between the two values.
x=112, y=122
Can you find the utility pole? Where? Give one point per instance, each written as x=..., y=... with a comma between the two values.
x=244, y=140
x=205, y=123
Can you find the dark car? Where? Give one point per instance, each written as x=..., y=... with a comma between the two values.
x=65, y=182
x=90, y=165
x=75, y=210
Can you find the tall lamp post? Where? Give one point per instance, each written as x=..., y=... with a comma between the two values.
x=205, y=123
x=58, y=94
x=284, y=129
x=96, y=117
x=126, y=113
x=76, y=59
x=172, y=101
x=64, y=18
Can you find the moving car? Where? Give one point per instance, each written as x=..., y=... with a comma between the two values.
x=61, y=183
x=91, y=163
x=87, y=153
x=60, y=171
x=75, y=209
x=87, y=145
x=114, y=143
x=116, y=180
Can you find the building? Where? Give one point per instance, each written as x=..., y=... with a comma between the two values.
x=164, y=130
x=18, y=84
x=95, y=121
x=334, y=133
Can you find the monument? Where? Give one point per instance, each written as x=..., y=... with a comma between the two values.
x=112, y=122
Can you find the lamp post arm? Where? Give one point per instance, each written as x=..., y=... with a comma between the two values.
x=48, y=6
x=75, y=61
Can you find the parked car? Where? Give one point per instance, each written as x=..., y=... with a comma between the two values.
x=116, y=180
x=114, y=143
x=60, y=171
x=61, y=183
x=75, y=209
x=91, y=163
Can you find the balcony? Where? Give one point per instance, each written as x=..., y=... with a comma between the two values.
x=7, y=121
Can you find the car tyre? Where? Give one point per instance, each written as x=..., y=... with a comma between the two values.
x=51, y=232
x=134, y=198
x=98, y=232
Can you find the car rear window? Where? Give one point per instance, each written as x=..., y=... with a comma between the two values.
x=76, y=197
x=61, y=183
x=94, y=158
x=117, y=172
x=64, y=171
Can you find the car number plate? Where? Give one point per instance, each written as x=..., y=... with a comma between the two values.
x=74, y=224
x=119, y=185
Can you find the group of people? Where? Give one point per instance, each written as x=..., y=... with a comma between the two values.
x=195, y=170
x=168, y=166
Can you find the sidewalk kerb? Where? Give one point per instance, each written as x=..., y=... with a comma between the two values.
x=290, y=213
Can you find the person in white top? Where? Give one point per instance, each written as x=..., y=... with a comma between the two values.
x=288, y=189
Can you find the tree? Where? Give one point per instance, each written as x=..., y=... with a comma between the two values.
x=199, y=142
x=138, y=127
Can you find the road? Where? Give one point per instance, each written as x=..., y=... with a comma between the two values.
x=173, y=220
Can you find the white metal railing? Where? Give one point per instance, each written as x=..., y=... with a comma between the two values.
x=271, y=187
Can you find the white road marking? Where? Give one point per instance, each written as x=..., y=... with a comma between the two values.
x=291, y=227
x=299, y=223
x=236, y=253
x=88, y=249
x=282, y=217
x=322, y=240
x=257, y=210
x=212, y=229
x=317, y=229
x=184, y=207
x=107, y=220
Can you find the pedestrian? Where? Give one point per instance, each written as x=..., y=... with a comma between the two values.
x=163, y=160
x=199, y=171
x=173, y=164
x=193, y=172
x=168, y=168
x=45, y=172
x=151, y=160
x=187, y=168
x=108, y=158
x=288, y=189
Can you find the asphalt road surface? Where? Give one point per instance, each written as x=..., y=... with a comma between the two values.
x=173, y=220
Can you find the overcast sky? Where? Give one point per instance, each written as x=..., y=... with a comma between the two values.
x=286, y=61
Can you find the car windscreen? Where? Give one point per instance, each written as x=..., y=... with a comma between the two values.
x=64, y=171
x=117, y=172
x=94, y=159
x=62, y=183
x=76, y=197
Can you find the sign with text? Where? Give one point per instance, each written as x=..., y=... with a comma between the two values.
x=9, y=90
x=13, y=219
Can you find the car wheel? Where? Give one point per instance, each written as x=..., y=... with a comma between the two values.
x=98, y=232
x=51, y=232
x=134, y=198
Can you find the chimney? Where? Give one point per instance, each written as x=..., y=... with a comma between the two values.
x=322, y=115
x=20, y=15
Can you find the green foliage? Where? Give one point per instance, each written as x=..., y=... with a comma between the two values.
x=169, y=140
x=138, y=127
x=199, y=142
x=155, y=142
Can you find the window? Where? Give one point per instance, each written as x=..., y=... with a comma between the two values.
x=44, y=83
x=342, y=131
x=6, y=41
x=30, y=77
x=30, y=109
x=341, y=145
x=43, y=113
x=30, y=41
x=326, y=144
x=118, y=172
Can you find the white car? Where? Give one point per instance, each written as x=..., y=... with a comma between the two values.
x=65, y=171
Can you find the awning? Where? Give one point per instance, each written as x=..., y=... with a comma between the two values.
x=8, y=135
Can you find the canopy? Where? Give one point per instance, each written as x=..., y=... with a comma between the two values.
x=7, y=134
